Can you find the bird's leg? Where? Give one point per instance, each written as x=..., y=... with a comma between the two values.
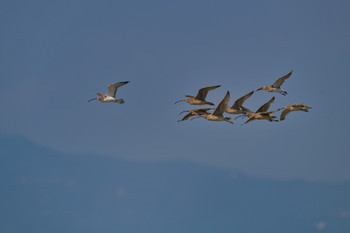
x=121, y=101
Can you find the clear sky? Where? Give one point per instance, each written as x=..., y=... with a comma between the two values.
x=55, y=55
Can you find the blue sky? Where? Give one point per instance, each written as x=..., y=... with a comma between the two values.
x=56, y=55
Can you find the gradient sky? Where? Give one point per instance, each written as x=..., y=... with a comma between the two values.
x=55, y=55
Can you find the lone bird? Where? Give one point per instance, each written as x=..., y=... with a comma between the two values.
x=293, y=107
x=237, y=107
x=200, y=97
x=217, y=115
x=261, y=113
x=195, y=112
x=110, y=95
x=276, y=87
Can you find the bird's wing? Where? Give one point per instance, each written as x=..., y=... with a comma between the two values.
x=280, y=81
x=241, y=100
x=244, y=109
x=266, y=106
x=187, y=116
x=112, y=89
x=249, y=120
x=203, y=110
x=202, y=93
x=284, y=114
x=223, y=105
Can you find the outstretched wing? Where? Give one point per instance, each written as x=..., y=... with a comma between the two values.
x=202, y=93
x=266, y=106
x=284, y=114
x=241, y=100
x=187, y=116
x=223, y=105
x=249, y=120
x=203, y=110
x=112, y=89
x=280, y=81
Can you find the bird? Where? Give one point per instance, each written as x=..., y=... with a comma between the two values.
x=276, y=87
x=217, y=115
x=293, y=107
x=261, y=113
x=199, y=99
x=195, y=112
x=237, y=107
x=110, y=95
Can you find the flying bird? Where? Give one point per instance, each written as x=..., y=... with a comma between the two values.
x=261, y=113
x=217, y=115
x=199, y=99
x=110, y=95
x=276, y=87
x=237, y=107
x=195, y=112
x=293, y=107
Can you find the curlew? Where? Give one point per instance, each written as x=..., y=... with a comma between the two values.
x=276, y=87
x=199, y=99
x=293, y=107
x=237, y=107
x=195, y=112
x=217, y=115
x=110, y=95
x=261, y=113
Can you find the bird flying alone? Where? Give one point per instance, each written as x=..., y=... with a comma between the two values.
x=293, y=107
x=217, y=115
x=276, y=87
x=199, y=99
x=110, y=95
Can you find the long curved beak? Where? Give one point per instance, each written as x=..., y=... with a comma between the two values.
x=275, y=110
x=178, y=101
x=184, y=111
x=92, y=99
x=241, y=116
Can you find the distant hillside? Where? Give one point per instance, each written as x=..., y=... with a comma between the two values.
x=45, y=191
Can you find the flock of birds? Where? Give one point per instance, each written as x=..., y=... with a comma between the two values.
x=217, y=115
